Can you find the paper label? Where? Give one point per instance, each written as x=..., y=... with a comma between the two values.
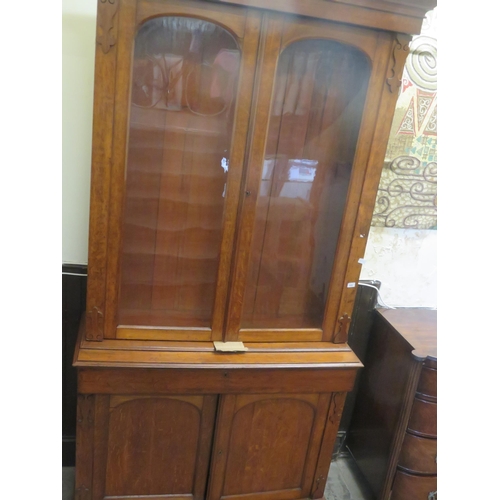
x=230, y=346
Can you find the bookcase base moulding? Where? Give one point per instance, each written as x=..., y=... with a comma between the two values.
x=236, y=153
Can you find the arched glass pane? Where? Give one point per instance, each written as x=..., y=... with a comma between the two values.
x=184, y=83
x=316, y=111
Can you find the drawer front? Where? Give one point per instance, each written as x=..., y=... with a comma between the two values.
x=418, y=454
x=423, y=418
x=427, y=385
x=409, y=487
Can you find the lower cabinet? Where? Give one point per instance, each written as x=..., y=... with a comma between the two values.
x=230, y=446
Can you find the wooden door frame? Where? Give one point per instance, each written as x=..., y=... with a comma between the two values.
x=277, y=34
x=109, y=158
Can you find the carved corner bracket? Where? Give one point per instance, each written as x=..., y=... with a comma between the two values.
x=106, y=36
x=82, y=493
x=85, y=410
x=344, y=322
x=338, y=407
x=95, y=324
x=400, y=51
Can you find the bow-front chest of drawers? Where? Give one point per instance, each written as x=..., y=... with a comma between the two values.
x=393, y=434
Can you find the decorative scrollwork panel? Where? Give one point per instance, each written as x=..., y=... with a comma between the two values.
x=407, y=195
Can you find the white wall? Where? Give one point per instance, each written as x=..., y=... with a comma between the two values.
x=403, y=260
x=78, y=30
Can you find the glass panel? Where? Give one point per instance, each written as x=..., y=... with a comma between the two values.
x=318, y=101
x=184, y=82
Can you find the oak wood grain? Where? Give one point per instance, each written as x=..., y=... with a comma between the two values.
x=121, y=94
x=213, y=381
x=281, y=433
x=231, y=16
x=100, y=445
x=269, y=47
x=178, y=251
x=402, y=16
x=329, y=436
x=373, y=153
x=314, y=118
x=168, y=359
x=103, y=115
x=142, y=429
x=191, y=242
x=84, y=447
x=338, y=284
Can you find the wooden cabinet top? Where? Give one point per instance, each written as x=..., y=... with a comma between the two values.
x=417, y=326
x=403, y=16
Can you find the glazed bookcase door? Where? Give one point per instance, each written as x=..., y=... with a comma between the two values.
x=306, y=128
x=181, y=104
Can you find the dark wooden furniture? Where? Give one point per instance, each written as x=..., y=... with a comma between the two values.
x=359, y=332
x=74, y=284
x=237, y=148
x=393, y=432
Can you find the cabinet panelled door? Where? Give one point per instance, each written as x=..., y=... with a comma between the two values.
x=237, y=144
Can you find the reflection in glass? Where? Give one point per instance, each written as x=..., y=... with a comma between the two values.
x=317, y=105
x=184, y=84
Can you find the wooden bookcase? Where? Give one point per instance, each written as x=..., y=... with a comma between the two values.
x=237, y=149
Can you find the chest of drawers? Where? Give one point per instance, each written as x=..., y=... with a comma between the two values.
x=393, y=432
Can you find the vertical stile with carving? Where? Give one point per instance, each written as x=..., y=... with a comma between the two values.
x=400, y=52
x=95, y=324
x=84, y=447
x=393, y=52
x=106, y=35
x=102, y=152
x=329, y=436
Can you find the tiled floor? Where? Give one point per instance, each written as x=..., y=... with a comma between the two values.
x=344, y=482
x=68, y=483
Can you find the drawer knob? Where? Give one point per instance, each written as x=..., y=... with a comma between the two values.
x=432, y=495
